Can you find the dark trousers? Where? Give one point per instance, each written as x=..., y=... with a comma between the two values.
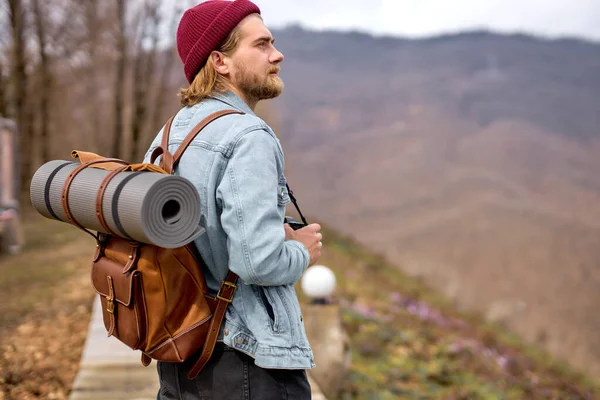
x=231, y=375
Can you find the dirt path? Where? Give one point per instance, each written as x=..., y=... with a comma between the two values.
x=46, y=299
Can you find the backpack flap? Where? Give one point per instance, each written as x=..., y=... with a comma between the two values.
x=109, y=281
x=119, y=285
x=86, y=156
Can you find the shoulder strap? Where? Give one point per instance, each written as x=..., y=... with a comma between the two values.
x=228, y=287
x=167, y=157
x=224, y=297
x=168, y=162
x=192, y=135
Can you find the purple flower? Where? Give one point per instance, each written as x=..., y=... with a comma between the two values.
x=364, y=310
x=397, y=298
x=455, y=347
x=502, y=361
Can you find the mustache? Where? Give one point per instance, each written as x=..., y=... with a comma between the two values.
x=273, y=69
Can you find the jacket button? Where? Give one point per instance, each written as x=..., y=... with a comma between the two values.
x=240, y=340
x=226, y=332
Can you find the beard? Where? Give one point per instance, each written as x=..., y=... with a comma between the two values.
x=259, y=86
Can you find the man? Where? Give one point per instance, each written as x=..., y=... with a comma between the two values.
x=237, y=165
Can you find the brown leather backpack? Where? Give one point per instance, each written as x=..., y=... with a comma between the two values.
x=154, y=299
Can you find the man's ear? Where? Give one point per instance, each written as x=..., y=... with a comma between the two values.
x=220, y=63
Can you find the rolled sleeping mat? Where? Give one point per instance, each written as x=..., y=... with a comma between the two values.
x=148, y=207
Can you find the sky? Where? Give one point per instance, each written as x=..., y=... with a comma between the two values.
x=421, y=18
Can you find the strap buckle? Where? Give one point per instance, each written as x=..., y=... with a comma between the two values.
x=224, y=286
x=110, y=305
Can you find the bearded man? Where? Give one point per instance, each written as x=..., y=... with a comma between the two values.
x=237, y=166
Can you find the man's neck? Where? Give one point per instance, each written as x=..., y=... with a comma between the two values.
x=250, y=102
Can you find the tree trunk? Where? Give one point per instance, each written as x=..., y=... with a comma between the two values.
x=142, y=79
x=158, y=119
x=46, y=80
x=3, y=107
x=163, y=79
x=91, y=17
x=19, y=80
x=120, y=81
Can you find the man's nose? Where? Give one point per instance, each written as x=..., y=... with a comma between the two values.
x=276, y=56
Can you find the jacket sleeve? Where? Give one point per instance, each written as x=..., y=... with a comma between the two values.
x=247, y=193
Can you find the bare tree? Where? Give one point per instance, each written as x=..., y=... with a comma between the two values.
x=163, y=78
x=3, y=107
x=73, y=62
x=143, y=73
x=93, y=43
x=68, y=33
x=4, y=63
x=120, y=80
x=46, y=80
x=19, y=80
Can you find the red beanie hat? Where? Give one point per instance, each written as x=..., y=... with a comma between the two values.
x=204, y=27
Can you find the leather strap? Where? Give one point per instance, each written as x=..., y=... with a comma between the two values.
x=192, y=135
x=224, y=297
x=159, y=151
x=67, y=186
x=110, y=306
x=100, y=197
x=146, y=360
x=165, y=138
x=167, y=157
x=168, y=161
x=228, y=287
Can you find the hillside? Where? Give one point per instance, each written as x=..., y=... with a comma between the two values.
x=468, y=160
x=407, y=341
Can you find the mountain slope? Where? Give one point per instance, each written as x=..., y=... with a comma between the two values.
x=470, y=160
x=407, y=341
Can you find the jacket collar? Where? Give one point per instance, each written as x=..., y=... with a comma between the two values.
x=233, y=100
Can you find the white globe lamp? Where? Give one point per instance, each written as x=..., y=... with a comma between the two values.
x=318, y=283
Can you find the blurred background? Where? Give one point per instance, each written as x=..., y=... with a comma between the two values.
x=451, y=150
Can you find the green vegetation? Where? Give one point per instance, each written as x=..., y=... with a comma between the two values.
x=409, y=342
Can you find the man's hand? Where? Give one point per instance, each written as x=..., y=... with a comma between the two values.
x=309, y=236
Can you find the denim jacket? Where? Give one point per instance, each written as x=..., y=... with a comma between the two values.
x=237, y=164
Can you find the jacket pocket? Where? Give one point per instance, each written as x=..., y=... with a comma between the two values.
x=266, y=298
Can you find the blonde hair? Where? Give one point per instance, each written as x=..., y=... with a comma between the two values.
x=208, y=81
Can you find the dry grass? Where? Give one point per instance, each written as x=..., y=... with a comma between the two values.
x=46, y=302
